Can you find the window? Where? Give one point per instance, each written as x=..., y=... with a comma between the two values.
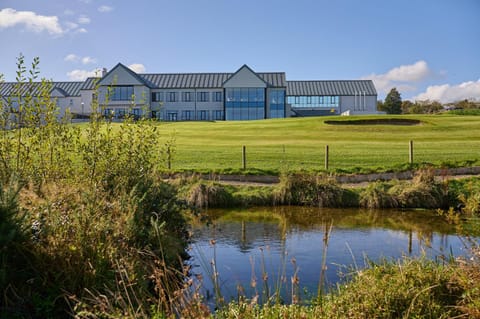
x=277, y=103
x=218, y=115
x=157, y=97
x=172, y=116
x=314, y=101
x=217, y=96
x=121, y=93
x=187, y=115
x=187, y=96
x=109, y=112
x=172, y=97
x=136, y=112
x=202, y=115
x=203, y=96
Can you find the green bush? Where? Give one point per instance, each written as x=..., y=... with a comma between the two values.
x=309, y=190
x=376, y=195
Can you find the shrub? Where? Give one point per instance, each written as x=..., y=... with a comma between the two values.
x=376, y=195
x=208, y=194
x=414, y=288
x=423, y=191
x=309, y=190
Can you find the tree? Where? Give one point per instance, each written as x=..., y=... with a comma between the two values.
x=466, y=104
x=380, y=106
x=393, y=102
x=406, y=106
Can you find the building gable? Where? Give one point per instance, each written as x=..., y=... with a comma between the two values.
x=244, y=77
x=121, y=75
x=58, y=92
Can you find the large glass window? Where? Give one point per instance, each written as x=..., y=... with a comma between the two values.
x=121, y=93
x=313, y=101
x=244, y=103
x=277, y=103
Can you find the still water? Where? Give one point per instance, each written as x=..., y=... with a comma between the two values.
x=260, y=249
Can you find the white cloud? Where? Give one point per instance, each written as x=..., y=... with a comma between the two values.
x=71, y=25
x=401, y=76
x=89, y=60
x=32, y=21
x=81, y=30
x=137, y=67
x=449, y=93
x=84, y=60
x=83, y=19
x=71, y=58
x=68, y=12
x=81, y=75
x=105, y=9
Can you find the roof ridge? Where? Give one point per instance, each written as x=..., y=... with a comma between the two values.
x=329, y=80
x=142, y=74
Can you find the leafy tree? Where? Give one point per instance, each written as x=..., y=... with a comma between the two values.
x=467, y=104
x=393, y=102
x=406, y=106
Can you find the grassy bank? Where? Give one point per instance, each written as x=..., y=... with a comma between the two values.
x=320, y=190
x=297, y=144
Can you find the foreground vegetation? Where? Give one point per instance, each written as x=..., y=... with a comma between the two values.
x=88, y=229
x=405, y=289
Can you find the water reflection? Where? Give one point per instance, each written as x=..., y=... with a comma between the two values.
x=252, y=243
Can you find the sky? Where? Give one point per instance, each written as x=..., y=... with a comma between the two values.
x=427, y=49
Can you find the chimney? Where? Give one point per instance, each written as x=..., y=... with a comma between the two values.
x=104, y=72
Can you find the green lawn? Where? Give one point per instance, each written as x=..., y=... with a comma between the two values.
x=299, y=143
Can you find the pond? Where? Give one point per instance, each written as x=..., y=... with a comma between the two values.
x=258, y=251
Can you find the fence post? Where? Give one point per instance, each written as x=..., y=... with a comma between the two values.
x=326, y=157
x=244, y=157
x=410, y=153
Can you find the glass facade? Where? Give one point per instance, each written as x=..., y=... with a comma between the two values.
x=244, y=104
x=313, y=101
x=277, y=104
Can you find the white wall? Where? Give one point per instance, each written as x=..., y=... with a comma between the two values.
x=359, y=104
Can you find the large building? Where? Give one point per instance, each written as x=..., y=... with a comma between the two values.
x=243, y=95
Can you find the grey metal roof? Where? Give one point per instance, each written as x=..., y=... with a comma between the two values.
x=34, y=88
x=90, y=83
x=186, y=80
x=274, y=79
x=339, y=87
x=204, y=80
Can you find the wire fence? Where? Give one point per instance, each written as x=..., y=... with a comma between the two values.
x=346, y=157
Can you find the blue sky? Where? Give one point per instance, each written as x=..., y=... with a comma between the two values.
x=427, y=49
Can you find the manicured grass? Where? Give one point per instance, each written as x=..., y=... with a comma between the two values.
x=299, y=143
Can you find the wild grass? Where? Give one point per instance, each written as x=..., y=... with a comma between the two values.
x=88, y=228
x=407, y=288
